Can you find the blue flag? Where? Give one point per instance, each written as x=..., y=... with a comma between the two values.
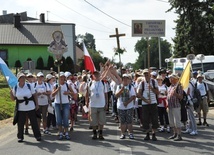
x=10, y=77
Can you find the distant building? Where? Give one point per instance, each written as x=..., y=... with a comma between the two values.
x=23, y=37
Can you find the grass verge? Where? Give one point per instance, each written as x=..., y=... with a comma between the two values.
x=6, y=104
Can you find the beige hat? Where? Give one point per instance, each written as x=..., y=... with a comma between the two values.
x=159, y=77
x=19, y=75
x=200, y=75
x=49, y=76
x=175, y=76
x=145, y=71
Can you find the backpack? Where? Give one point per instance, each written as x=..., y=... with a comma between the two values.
x=69, y=97
x=184, y=100
x=153, y=84
x=130, y=86
x=28, y=85
x=183, y=103
x=196, y=98
x=90, y=83
x=44, y=84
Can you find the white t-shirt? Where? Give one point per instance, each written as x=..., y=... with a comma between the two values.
x=74, y=88
x=201, y=87
x=83, y=88
x=126, y=95
x=64, y=98
x=24, y=92
x=113, y=86
x=41, y=88
x=146, y=92
x=163, y=90
x=97, y=92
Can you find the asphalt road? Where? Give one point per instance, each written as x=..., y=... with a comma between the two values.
x=82, y=144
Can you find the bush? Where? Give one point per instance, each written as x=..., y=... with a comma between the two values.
x=40, y=63
x=6, y=104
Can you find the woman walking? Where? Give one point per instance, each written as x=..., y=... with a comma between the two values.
x=27, y=102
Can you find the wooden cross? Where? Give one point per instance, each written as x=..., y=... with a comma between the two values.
x=117, y=35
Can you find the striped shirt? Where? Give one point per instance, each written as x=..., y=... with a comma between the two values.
x=148, y=94
x=173, y=101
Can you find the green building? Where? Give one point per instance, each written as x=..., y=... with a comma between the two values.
x=23, y=38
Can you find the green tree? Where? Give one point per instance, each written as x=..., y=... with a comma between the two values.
x=40, y=63
x=142, y=48
x=195, y=27
x=69, y=64
x=89, y=41
x=63, y=66
x=50, y=63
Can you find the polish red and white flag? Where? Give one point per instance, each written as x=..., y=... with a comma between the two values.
x=89, y=64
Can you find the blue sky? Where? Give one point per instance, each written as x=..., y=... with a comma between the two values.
x=90, y=20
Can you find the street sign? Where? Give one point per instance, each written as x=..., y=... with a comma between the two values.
x=148, y=28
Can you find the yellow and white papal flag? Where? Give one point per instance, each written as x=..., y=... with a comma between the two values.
x=185, y=76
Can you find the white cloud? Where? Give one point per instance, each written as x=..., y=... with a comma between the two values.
x=102, y=26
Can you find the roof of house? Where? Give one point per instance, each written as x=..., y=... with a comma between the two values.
x=38, y=34
x=9, y=18
x=30, y=32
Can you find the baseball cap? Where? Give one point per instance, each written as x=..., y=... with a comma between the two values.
x=29, y=74
x=126, y=75
x=67, y=74
x=40, y=74
x=61, y=74
x=154, y=73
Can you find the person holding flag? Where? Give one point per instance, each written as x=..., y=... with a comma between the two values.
x=175, y=94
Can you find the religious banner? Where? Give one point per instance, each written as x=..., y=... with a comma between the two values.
x=148, y=28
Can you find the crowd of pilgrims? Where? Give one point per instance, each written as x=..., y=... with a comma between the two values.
x=149, y=97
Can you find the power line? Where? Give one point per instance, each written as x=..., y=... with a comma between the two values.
x=107, y=14
x=82, y=14
x=80, y=24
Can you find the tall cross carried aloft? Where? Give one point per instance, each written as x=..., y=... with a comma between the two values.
x=117, y=35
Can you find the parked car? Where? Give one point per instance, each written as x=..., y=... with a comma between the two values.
x=209, y=79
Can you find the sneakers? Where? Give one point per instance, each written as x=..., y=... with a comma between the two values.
x=193, y=133
x=67, y=137
x=101, y=137
x=94, y=136
x=199, y=123
x=71, y=129
x=38, y=138
x=161, y=129
x=168, y=129
x=178, y=138
x=26, y=132
x=154, y=137
x=20, y=140
x=187, y=131
x=173, y=136
x=131, y=136
x=122, y=136
x=60, y=136
x=47, y=132
x=205, y=124
x=147, y=137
